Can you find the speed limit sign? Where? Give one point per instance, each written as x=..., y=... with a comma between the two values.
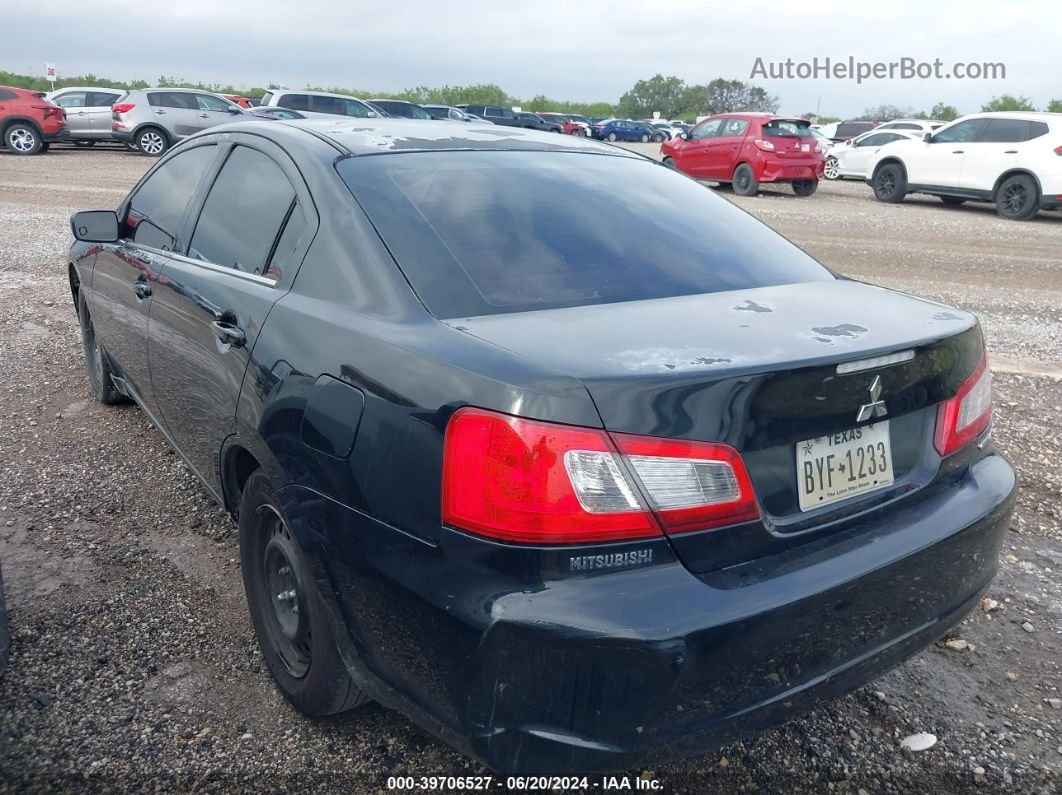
x=49, y=71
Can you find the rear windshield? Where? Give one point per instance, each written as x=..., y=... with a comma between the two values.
x=488, y=232
x=781, y=128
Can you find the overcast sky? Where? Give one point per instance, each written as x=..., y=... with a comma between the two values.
x=568, y=49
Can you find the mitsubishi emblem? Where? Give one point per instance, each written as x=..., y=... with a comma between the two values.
x=876, y=406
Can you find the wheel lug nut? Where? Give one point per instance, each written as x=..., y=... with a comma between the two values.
x=285, y=596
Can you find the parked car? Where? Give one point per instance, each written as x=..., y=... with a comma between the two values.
x=919, y=126
x=543, y=546
x=498, y=115
x=567, y=125
x=322, y=102
x=846, y=130
x=745, y=150
x=401, y=109
x=474, y=117
x=236, y=99
x=1013, y=160
x=850, y=159
x=273, y=112
x=626, y=130
x=664, y=127
x=88, y=112
x=28, y=121
x=447, y=112
x=540, y=123
x=5, y=636
x=154, y=119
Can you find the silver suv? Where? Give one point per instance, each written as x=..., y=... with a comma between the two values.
x=313, y=103
x=88, y=112
x=154, y=119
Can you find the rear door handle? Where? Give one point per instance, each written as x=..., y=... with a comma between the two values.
x=142, y=289
x=203, y=116
x=959, y=152
x=1011, y=152
x=160, y=113
x=228, y=333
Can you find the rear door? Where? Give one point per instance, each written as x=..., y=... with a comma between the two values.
x=998, y=149
x=128, y=273
x=244, y=246
x=177, y=111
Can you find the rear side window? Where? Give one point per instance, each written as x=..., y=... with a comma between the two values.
x=850, y=129
x=733, y=128
x=295, y=101
x=5, y=94
x=157, y=206
x=243, y=214
x=173, y=99
x=101, y=99
x=480, y=233
x=1005, y=131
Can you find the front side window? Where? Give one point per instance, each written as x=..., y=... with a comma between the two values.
x=480, y=233
x=157, y=206
x=208, y=102
x=243, y=213
x=75, y=99
x=961, y=133
x=706, y=129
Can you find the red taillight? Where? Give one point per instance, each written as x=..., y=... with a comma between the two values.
x=693, y=485
x=964, y=417
x=765, y=145
x=1058, y=151
x=536, y=482
x=123, y=107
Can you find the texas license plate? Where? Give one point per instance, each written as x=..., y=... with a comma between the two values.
x=844, y=464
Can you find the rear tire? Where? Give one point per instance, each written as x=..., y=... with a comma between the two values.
x=890, y=183
x=670, y=163
x=21, y=138
x=289, y=617
x=152, y=141
x=96, y=362
x=84, y=144
x=745, y=182
x=645, y=138
x=1018, y=198
x=805, y=187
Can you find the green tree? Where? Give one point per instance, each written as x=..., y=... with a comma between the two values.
x=942, y=112
x=726, y=96
x=1054, y=106
x=886, y=113
x=1008, y=103
x=657, y=94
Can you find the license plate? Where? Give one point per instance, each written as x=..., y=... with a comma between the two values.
x=805, y=148
x=841, y=465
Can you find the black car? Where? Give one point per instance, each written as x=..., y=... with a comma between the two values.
x=401, y=109
x=543, y=444
x=504, y=117
x=536, y=122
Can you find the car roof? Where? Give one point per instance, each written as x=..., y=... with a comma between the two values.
x=109, y=90
x=379, y=136
x=280, y=91
x=1014, y=114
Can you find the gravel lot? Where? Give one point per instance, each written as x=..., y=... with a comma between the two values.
x=134, y=666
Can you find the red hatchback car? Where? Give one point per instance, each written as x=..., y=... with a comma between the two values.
x=746, y=149
x=28, y=121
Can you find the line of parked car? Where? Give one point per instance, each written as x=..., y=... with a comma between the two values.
x=1013, y=160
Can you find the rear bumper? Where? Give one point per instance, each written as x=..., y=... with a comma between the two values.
x=125, y=136
x=791, y=171
x=62, y=134
x=614, y=669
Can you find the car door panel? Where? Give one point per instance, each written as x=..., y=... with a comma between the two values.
x=78, y=118
x=176, y=111
x=939, y=161
x=206, y=318
x=695, y=154
x=99, y=113
x=721, y=150
x=997, y=150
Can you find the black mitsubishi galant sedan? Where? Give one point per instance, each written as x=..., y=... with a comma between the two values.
x=538, y=441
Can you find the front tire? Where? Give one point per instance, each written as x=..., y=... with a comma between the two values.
x=805, y=187
x=23, y=139
x=890, y=183
x=152, y=142
x=1018, y=198
x=745, y=182
x=293, y=629
x=96, y=363
x=832, y=169
x=952, y=201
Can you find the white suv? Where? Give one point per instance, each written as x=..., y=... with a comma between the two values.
x=319, y=103
x=1011, y=159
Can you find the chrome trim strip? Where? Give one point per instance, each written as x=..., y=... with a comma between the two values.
x=861, y=365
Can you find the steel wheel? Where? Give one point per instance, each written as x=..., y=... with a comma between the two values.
x=151, y=142
x=23, y=139
x=287, y=617
x=832, y=170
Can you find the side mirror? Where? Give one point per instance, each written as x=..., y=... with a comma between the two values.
x=95, y=226
x=927, y=137
x=373, y=114
x=234, y=110
x=684, y=136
